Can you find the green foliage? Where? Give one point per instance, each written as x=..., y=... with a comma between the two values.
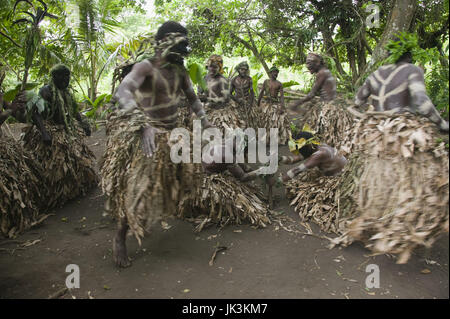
x=289, y=84
x=34, y=100
x=197, y=74
x=255, y=78
x=408, y=42
x=93, y=106
x=437, y=84
x=10, y=95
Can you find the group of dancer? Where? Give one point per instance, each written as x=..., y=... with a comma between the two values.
x=143, y=185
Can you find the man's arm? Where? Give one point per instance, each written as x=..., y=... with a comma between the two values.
x=290, y=159
x=194, y=101
x=363, y=93
x=232, y=89
x=252, y=93
x=237, y=171
x=320, y=78
x=133, y=80
x=261, y=94
x=314, y=160
x=201, y=92
x=283, y=106
x=421, y=102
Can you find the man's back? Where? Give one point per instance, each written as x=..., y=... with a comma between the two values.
x=399, y=87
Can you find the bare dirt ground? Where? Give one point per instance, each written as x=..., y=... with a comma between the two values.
x=173, y=261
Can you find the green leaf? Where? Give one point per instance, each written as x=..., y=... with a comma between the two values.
x=290, y=83
x=10, y=95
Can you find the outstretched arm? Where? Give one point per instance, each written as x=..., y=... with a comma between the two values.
x=290, y=159
x=237, y=171
x=421, y=102
x=320, y=79
x=314, y=160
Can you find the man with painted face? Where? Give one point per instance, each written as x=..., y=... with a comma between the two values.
x=399, y=88
x=242, y=93
x=157, y=85
x=147, y=185
x=325, y=83
x=242, y=86
x=217, y=92
x=217, y=96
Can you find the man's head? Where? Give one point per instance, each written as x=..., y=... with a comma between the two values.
x=314, y=62
x=273, y=72
x=243, y=68
x=405, y=54
x=215, y=65
x=60, y=76
x=172, y=41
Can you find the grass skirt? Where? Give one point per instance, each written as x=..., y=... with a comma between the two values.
x=394, y=193
x=223, y=200
x=272, y=119
x=21, y=189
x=143, y=190
x=68, y=165
x=224, y=118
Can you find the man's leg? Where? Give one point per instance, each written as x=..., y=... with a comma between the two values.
x=120, y=255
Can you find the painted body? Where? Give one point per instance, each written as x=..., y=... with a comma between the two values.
x=399, y=88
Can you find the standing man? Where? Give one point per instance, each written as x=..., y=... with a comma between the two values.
x=274, y=110
x=141, y=181
x=244, y=96
x=217, y=96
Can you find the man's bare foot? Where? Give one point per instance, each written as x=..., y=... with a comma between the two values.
x=120, y=255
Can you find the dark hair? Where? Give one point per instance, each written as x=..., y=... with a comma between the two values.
x=405, y=57
x=169, y=27
x=306, y=150
x=305, y=135
x=59, y=68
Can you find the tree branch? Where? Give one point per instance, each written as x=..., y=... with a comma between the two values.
x=10, y=39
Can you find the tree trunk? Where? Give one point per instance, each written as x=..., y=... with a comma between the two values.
x=330, y=49
x=400, y=19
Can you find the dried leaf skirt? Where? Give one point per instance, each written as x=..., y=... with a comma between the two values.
x=20, y=188
x=224, y=118
x=330, y=120
x=143, y=190
x=394, y=193
x=272, y=119
x=225, y=200
x=249, y=116
x=68, y=165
